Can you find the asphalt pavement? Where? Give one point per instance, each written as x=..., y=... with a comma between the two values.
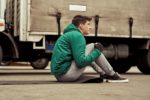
x=21, y=82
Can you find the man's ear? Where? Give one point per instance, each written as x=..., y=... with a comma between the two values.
x=80, y=26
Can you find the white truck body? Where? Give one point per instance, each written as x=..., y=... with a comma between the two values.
x=35, y=17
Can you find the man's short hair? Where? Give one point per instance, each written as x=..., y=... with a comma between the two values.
x=79, y=19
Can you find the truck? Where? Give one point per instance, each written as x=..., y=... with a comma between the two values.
x=121, y=26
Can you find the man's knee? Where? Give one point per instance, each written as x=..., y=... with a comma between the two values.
x=89, y=48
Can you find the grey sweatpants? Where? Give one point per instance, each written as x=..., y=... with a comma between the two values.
x=100, y=65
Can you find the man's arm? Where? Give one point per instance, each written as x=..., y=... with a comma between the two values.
x=78, y=46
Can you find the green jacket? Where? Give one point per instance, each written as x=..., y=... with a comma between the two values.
x=71, y=46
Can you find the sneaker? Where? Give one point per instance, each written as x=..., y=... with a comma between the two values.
x=116, y=78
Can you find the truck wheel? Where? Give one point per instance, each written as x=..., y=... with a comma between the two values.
x=40, y=63
x=144, y=63
x=1, y=54
x=121, y=68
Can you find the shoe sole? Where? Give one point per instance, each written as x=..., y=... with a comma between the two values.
x=117, y=81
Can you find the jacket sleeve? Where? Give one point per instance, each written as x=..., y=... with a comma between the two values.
x=78, y=45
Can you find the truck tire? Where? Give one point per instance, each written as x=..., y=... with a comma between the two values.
x=40, y=63
x=121, y=66
x=144, y=63
x=1, y=54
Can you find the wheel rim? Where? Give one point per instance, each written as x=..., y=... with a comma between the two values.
x=40, y=63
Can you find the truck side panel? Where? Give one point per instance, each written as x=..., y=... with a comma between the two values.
x=114, y=16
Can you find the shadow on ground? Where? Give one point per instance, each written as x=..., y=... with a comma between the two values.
x=82, y=79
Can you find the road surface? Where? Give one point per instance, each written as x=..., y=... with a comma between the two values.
x=21, y=82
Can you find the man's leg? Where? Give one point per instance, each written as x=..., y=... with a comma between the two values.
x=89, y=49
x=105, y=65
x=101, y=66
x=72, y=75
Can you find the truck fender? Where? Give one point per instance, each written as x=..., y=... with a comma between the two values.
x=16, y=53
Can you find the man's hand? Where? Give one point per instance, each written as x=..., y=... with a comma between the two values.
x=98, y=46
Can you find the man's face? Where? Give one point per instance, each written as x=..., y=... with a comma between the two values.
x=85, y=28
